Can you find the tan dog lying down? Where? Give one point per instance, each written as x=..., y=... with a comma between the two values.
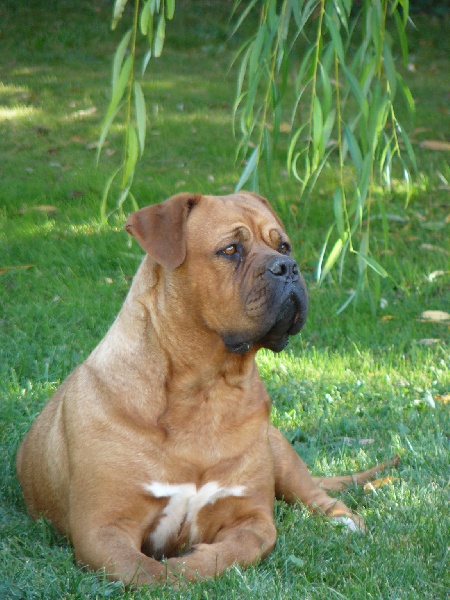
x=159, y=445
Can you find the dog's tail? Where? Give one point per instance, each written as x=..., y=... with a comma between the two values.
x=344, y=481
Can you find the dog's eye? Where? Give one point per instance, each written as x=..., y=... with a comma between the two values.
x=230, y=250
x=284, y=248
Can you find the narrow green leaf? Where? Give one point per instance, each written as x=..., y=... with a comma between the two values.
x=405, y=6
x=408, y=146
x=307, y=169
x=328, y=128
x=114, y=104
x=357, y=90
x=132, y=153
x=336, y=37
x=105, y=130
x=376, y=29
x=296, y=12
x=271, y=6
x=255, y=60
x=243, y=16
x=292, y=146
x=301, y=18
x=322, y=255
x=121, y=84
x=385, y=161
x=160, y=36
x=338, y=207
x=285, y=72
x=350, y=299
x=327, y=91
x=342, y=259
x=409, y=187
x=133, y=201
x=379, y=111
x=363, y=185
x=317, y=132
x=124, y=195
x=355, y=151
x=366, y=76
x=389, y=68
x=332, y=258
x=316, y=174
x=242, y=71
x=146, y=17
x=276, y=122
x=170, y=9
x=250, y=167
x=373, y=264
x=286, y=21
x=406, y=92
x=119, y=56
x=267, y=142
x=104, y=200
x=141, y=115
x=363, y=251
x=145, y=62
x=119, y=7
x=306, y=63
x=402, y=37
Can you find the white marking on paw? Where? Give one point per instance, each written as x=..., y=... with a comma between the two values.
x=352, y=526
x=185, y=502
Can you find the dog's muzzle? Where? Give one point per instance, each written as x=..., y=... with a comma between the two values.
x=278, y=303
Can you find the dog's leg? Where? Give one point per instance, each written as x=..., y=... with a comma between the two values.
x=341, y=482
x=243, y=544
x=118, y=551
x=293, y=482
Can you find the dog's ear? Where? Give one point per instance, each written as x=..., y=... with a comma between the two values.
x=161, y=228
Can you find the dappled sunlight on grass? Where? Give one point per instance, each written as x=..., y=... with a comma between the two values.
x=7, y=89
x=18, y=112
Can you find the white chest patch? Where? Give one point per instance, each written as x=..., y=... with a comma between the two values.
x=185, y=502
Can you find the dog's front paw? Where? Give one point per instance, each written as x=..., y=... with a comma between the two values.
x=352, y=521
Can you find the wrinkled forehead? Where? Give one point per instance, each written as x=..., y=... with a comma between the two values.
x=223, y=214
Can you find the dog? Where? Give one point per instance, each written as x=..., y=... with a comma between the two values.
x=156, y=456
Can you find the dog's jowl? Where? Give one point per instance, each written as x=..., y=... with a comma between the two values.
x=156, y=456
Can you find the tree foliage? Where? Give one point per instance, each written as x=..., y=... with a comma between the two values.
x=149, y=19
x=346, y=85
x=327, y=64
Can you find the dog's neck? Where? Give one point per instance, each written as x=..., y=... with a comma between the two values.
x=204, y=363
x=204, y=355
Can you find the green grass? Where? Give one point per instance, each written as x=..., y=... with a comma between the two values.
x=344, y=380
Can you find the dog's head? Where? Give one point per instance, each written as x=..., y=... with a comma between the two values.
x=231, y=259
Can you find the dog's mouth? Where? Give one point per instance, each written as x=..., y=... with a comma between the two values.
x=288, y=321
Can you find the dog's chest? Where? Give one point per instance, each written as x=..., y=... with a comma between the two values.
x=184, y=502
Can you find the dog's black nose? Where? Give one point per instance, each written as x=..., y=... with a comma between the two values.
x=283, y=266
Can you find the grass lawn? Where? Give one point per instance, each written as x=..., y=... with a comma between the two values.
x=350, y=390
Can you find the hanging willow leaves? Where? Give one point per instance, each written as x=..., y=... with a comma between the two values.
x=141, y=114
x=159, y=37
x=127, y=96
x=118, y=58
x=117, y=94
x=340, y=55
x=119, y=7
